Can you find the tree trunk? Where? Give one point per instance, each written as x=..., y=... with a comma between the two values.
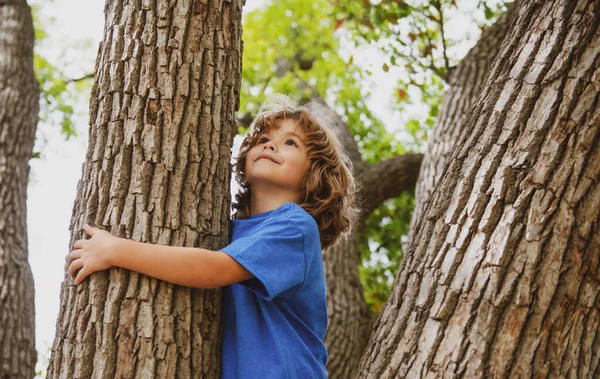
x=19, y=103
x=157, y=170
x=349, y=316
x=501, y=279
x=465, y=82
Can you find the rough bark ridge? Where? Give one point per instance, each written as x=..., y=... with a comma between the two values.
x=157, y=170
x=464, y=86
x=349, y=316
x=19, y=102
x=502, y=277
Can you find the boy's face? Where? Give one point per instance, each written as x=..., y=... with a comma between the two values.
x=279, y=161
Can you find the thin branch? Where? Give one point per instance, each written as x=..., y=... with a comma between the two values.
x=436, y=71
x=439, y=7
x=85, y=77
x=267, y=82
x=432, y=65
x=304, y=84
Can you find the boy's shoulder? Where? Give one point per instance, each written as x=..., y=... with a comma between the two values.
x=295, y=214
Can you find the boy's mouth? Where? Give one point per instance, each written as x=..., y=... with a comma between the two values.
x=266, y=156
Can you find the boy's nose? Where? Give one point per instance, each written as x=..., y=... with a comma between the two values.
x=269, y=145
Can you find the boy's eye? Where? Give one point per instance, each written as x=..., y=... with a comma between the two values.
x=293, y=143
x=263, y=140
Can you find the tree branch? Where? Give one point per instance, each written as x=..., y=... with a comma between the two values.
x=74, y=80
x=387, y=179
x=438, y=6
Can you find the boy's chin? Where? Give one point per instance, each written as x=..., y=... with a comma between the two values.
x=271, y=186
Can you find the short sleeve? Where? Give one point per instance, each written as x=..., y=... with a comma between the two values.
x=274, y=254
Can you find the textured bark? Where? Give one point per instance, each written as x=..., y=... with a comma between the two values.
x=464, y=86
x=502, y=278
x=19, y=102
x=157, y=170
x=350, y=319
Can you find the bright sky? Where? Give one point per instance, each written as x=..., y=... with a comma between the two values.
x=53, y=179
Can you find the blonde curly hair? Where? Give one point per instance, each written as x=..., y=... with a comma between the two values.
x=329, y=184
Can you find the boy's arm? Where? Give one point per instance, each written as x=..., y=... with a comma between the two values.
x=187, y=266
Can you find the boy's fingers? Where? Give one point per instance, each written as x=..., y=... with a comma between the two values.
x=78, y=244
x=71, y=256
x=89, y=230
x=74, y=254
x=81, y=275
x=74, y=266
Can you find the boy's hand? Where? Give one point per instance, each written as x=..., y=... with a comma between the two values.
x=91, y=255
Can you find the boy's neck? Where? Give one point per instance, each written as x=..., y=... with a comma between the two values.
x=264, y=201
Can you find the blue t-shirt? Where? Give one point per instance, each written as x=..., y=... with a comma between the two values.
x=274, y=323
